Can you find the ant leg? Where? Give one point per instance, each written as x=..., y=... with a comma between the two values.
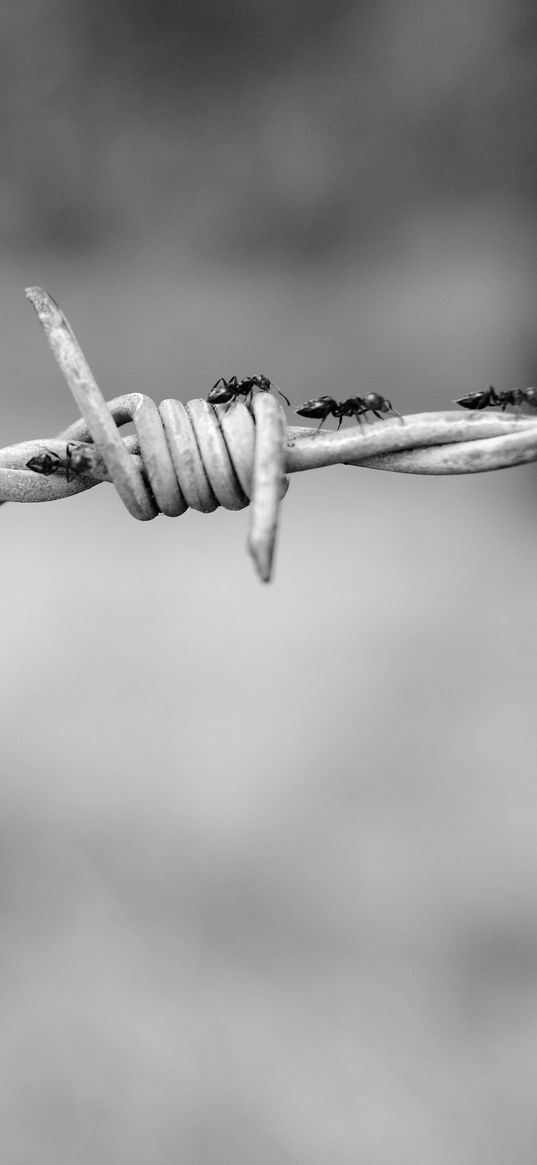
x=57, y=463
x=394, y=411
x=225, y=405
x=286, y=398
x=69, y=473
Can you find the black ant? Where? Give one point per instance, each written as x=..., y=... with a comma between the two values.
x=374, y=403
x=233, y=388
x=490, y=399
x=518, y=397
x=323, y=407
x=78, y=460
x=354, y=406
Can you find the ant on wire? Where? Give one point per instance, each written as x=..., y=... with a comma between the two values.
x=490, y=399
x=226, y=391
x=78, y=460
x=354, y=406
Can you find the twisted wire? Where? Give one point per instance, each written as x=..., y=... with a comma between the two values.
x=200, y=456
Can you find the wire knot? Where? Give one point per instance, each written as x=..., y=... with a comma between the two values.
x=204, y=454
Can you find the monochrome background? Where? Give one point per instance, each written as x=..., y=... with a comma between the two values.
x=268, y=887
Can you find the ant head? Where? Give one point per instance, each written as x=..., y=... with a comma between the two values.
x=80, y=459
x=373, y=400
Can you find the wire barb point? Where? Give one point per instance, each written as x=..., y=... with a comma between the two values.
x=202, y=456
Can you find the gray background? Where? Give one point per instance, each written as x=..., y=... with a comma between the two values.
x=269, y=874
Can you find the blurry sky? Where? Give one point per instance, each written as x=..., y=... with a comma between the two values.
x=284, y=126
x=267, y=855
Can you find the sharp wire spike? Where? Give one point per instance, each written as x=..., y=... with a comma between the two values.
x=199, y=456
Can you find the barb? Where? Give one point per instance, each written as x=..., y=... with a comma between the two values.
x=268, y=480
x=202, y=456
x=90, y=400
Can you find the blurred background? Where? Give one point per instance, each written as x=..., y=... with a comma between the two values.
x=269, y=874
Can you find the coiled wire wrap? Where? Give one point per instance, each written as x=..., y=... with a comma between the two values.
x=199, y=456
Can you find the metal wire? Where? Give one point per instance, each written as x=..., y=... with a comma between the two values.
x=200, y=456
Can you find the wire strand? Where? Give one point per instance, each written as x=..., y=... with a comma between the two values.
x=199, y=456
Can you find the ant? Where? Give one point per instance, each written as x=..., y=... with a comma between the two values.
x=233, y=388
x=355, y=406
x=490, y=399
x=323, y=407
x=78, y=460
x=518, y=397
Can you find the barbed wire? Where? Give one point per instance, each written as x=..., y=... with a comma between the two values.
x=200, y=456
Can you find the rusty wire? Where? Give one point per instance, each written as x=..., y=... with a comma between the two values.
x=199, y=456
